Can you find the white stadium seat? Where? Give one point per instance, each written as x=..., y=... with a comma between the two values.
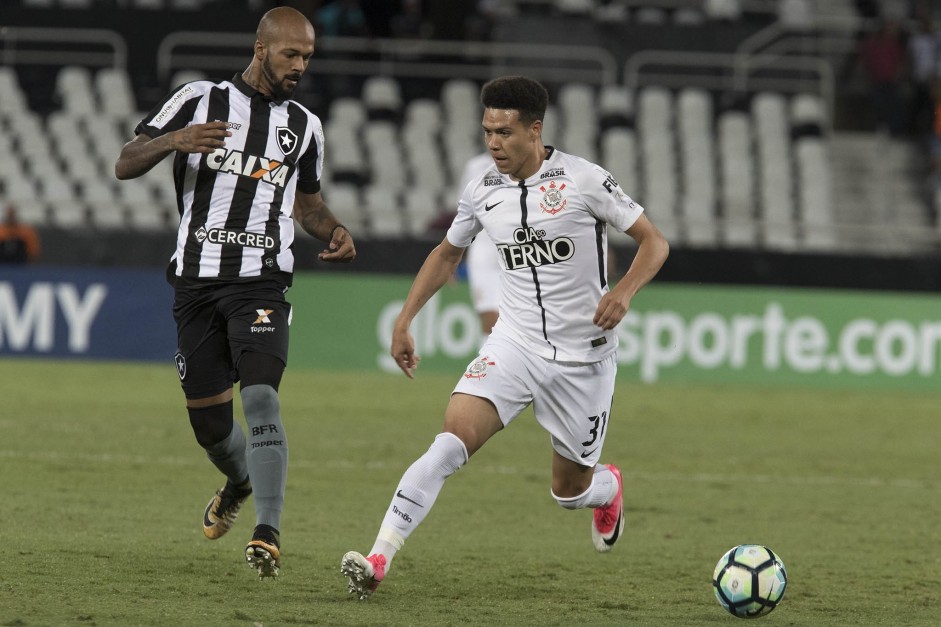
x=73, y=88
x=115, y=91
x=736, y=180
x=382, y=96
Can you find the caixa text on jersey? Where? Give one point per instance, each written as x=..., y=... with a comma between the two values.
x=252, y=166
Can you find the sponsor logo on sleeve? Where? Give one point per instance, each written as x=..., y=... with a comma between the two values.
x=173, y=105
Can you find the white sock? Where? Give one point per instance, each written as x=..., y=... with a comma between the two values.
x=603, y=489
x=417, y=491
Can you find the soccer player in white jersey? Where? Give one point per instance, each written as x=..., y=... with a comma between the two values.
x=247, y=165
x=554, y=344
x=483, y=267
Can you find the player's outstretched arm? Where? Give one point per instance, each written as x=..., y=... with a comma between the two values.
x=142, y=153
x=652, y=252
x=437, y=270
x=312, y=213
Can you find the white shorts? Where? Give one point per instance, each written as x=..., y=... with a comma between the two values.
x=571, y=401
x=484, y=275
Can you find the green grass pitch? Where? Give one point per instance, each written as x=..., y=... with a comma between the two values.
x=102, y=487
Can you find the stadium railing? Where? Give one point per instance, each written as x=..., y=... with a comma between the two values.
x=411, y=58
x=25, y=45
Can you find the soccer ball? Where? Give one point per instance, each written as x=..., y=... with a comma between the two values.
x=749, y=580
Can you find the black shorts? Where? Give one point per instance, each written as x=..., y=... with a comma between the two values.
x=216, y=324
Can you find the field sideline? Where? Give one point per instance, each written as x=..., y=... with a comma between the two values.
x=103, y=488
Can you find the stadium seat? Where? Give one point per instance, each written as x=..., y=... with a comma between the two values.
x=345, y=203
x=32, y=211
x=815, y=206
x=655, y=128
x=460, y=100
x=383, y=207
x=726, y=10
x=653, y=16
x=420, y=206
x=581, y=142
x=74, y=91
x=383, y=154
x=775, y=175
x=551, y=129
x=694, y=112
x=697, y=156
x=382, y=98
x=12, y=96
x=148, y=217
x=578, y=108
x=615, y=107
x=807, y=115
x=575, y=7
x=115, y=92
x=619, y=157
x=423, y=113
x=107, y=215
x=736, y=176
x=426, y=167
x=69, y=214
x=105, y=142
x=15, y=185
x=134, y=192
x=688, y=16
x=57, y=190
x=459, y=148
x=348, y=112
x=609, y=13
x=796, y=15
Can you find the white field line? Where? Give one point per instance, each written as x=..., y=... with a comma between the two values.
x=197, y=460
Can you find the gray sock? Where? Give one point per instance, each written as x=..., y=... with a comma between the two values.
x=229, y=455
x=267, y=452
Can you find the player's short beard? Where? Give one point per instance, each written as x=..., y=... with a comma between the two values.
x=277, y=84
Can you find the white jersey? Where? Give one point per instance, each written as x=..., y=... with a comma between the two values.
x=550, y=233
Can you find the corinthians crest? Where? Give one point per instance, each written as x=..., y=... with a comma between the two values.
x=478, y=369
x=552, y=200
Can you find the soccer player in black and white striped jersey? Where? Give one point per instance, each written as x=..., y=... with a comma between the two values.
x=247, y=163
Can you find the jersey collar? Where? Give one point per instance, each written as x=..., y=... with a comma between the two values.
x=253, y=94
x=545, y=165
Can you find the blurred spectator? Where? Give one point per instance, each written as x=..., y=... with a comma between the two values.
x=882, y=55
x=19, y=242
x=342, y=18
x=923, y=50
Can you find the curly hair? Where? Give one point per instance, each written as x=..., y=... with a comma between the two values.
x=523, y=94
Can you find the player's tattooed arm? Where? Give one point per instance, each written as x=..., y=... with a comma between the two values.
x=312, y=213
x=142, y=153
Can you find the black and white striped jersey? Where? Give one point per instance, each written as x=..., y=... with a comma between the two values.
x=550, y=233
x=236, y=204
